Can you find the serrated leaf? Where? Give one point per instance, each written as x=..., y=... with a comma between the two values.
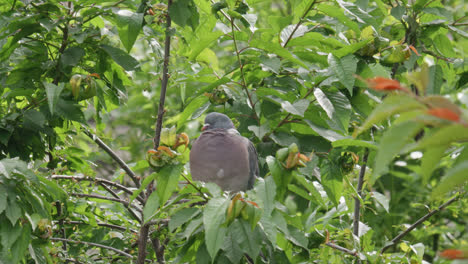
x=72, y=56
x=392, y=104
x=231, y=246
x=167, y=180
x=69, y=110
x=332, y=181
x=53, y=92
x=336, y=105
x=392, y=142
x=266, y=191
x=281, y=176
x=336, y=12
x=443, y=137
x=328, y=134
x=182, y=217
x=344, y=68
x=34, y=120
x=128, y=25
x=13, y=211
x=347, y=142
x=297, y=108
x=3, y=197
x=455, y=177
x=190, y=109
x=151, y=207
x=381, y=199
x=350, y=49
x=430, y=160
x=121, y=57
x=214, y=216
x=248, y=239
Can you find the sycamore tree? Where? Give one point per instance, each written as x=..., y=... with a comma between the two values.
x=358, y=110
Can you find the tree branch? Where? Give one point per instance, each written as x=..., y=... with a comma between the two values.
x=121, y=228
x=342, y=249
x=420, y=220
x=144, y=229
x=299, y=23
x=114, y=156
x=99, y=181
x=241, y=68
x=120, y=252
x=357, y=200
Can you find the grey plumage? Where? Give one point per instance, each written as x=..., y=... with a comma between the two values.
x=221, y=155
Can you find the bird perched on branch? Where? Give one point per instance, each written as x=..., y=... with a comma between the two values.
x=221, y=155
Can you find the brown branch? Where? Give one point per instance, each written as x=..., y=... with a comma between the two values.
x=299, y=23
x=144, y=229
x=342, y=249
x=424, y=50
x=120, y=252
x=113, y=155
x=99, y=181
x=357, y=200
x=418, y=222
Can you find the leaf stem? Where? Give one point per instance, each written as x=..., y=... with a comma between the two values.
x=92, y=244
x=299, y=23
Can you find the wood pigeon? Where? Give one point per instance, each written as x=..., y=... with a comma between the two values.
x=221, y=155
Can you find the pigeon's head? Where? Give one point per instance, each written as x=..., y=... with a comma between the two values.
x=217, y=121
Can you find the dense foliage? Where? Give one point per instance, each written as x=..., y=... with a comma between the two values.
x=358, y=111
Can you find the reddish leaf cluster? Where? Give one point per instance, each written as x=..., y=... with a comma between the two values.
x=453, y=254
x=444, y=113
x=384, y=84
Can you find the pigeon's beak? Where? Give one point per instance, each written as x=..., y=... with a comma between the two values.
x=205, y=126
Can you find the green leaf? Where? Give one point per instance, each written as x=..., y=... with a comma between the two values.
x=328, y=134
x=381, y=199
x=53, y=92
x=3, y=197
x=231, y=245
x=350, y=49
x=392, y=142
x=13, y=211
x=259, y=131
x=72, y=56
x=121, y=57
x=313, y=193
x=444, y=45
x=214, y=216
x=34, y=120
x=184, y=12
x=21, y=244
x=167, y=180
x=332, y=181
x=70, y=110
x=430, y=160
x=182, y=217
x=350, y=142
x=344, y=68
x=360, y=15
x=266, y=191
x=392, y=104
x=443, y=137
x=128, y=25
x=151, y=207
x=249, y=240
x=455, y=177
x=191, y=108
x=336, y=12
x=297, y=108
x=336, y=105
x=281, y=176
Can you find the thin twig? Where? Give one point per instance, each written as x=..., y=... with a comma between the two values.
x=227, y=17
x=357, y=200
x=342, y=249
x=114, y=156
x=420, y=220
x=198, y=189
x=92, y=244
x=241, y=68
x=96, y=196
x=299, y=23
x=121, y=228
x=99, y=181
x=430, y=52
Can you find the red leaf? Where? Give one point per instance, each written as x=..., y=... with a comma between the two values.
x=444, y=113
x=453, y=254
x=384, y=84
